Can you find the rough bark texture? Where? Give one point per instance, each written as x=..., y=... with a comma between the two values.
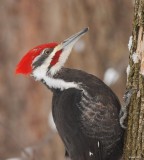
x=134, y=145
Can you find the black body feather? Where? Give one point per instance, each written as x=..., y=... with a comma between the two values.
x=87, y=119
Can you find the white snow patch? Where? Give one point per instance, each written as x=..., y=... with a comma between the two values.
x=29, y=150
x=128, y=70
x=142, y=72
x=79, y=46
x=51, y=122
x=90, y=153
x=135, y=57
x=111, y=76
x=130, y=42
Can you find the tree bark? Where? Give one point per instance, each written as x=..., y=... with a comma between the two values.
x=134, y=142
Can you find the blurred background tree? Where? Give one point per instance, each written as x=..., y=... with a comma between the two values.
x=25, y=105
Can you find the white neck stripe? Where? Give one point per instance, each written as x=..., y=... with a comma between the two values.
x=59, y=83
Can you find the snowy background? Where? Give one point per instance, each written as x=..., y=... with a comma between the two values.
x=27, y=131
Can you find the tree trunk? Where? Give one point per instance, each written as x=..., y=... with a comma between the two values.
x=134, y=142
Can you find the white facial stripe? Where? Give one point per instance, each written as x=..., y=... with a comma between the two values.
x=62, y=59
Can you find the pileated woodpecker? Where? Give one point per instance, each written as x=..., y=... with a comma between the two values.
x=85, y=110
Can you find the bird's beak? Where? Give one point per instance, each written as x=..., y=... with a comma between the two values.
x=69, y=42
x=61, y=52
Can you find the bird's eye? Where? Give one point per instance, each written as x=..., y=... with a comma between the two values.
x=46, y=51
x=41, y=58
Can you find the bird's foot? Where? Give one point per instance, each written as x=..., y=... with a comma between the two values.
x=124, y=108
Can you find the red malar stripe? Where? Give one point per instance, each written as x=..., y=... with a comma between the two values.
x=55, y=58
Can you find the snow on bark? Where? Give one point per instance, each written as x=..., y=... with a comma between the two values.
x=128, y=71
x=130, y=43
x=135, y=57
x=140, y=50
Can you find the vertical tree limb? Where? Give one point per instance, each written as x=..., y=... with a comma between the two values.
x=134, y=142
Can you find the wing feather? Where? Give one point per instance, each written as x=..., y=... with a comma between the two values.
x=100, y=121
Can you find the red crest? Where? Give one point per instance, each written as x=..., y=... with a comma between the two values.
x=25, y=65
